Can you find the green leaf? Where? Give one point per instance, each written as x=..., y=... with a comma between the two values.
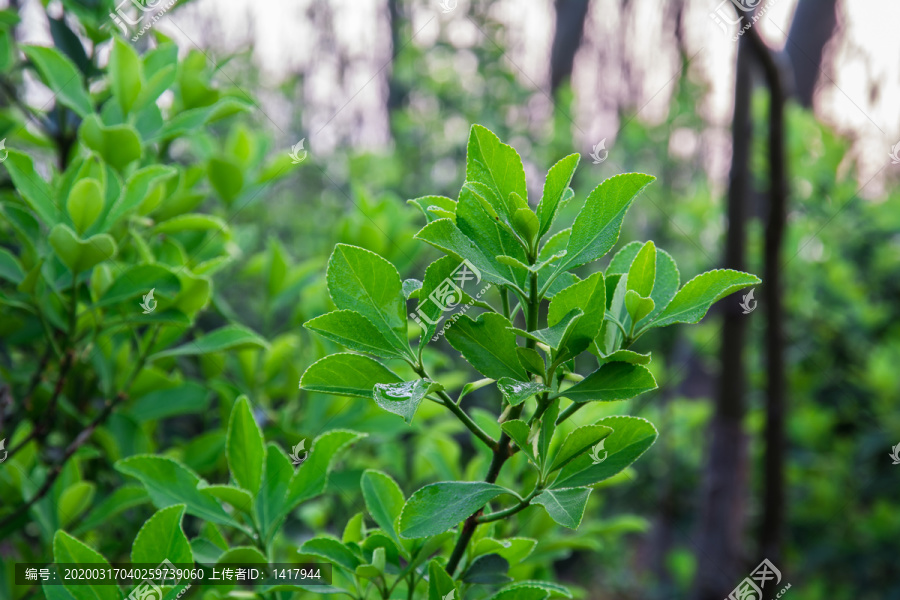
x=596, y=227
x=311, y=477
x=532, y=361
x=692, y=301
x=227, y=338
x=137, y=187
x=440, y=585
x=637, y=306
x=118, y=145
x=626, y=356
x=556, y=335
x=526, y=223
x=630, y=438
x=519, y=431
x=332, y=550
x=346, y=374
x=433, y=205
x=85, y=203
x=161, y=538
x=433, y=297
x=362, y=281
x=191, y=222
x=516, y=392
x=473, y=386
x=488, y=344
x=403, y=398
x=384, y=499
x=245, y=446
x=134, y=282
x=444, y=235
x=74, y=500
x=565, y=506
x=237, y=497
x=642, y=273
x=120, y=500
x=169, y=482
x=32, y=187
x=588, y=295
x=10, y=267
x=125, y=74
x=438, y=507
x=77, y=254
x=489, y=569
x=495, y=164
x=578, y=442
x=667, y=276
x=271, y=502
x=528, y=589
x=62, y=77
x=558, y=179
x=611, y=382
x=514, y=550
x=226, y=177
x=356, y=332
x=67, y=549
x=548, y=426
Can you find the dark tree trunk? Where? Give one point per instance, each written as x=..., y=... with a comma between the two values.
x=719, y=550
x=771, y=532
x=570, y=16
x=396, y=91
x=814, y=23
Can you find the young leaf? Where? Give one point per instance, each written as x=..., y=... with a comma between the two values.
x=519, y=431
x=589, y=295
x=85, y=203
x=532, y=361
x=488, y=344
x=435, y=296
x=692, y=301
x=556, y=335
x=440, y=584
x=436, y=508
x=526, y=223
x=362, y=281
x=611, y=382
x=403, y=398
x=161, y=538
x=272, y=497
x=331, y=550
x=74, y=500
x=630, y=438
x=578, y=442
x=596, y=228
x=444, y=235
x=119, y=145
x=80, y=255
x=356, y=332
x=558, y=179
x=237, y=497
x=428, y=205
x=565, y=506
x=642, y=273
x=493, y=163
x=245, y=447
x=514, y=550
x=637, y=306
x=384, y=500
x=548, y=426
x=346, y=374
x=516, y=392
x=125, y=74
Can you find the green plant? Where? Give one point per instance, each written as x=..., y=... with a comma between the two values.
x=494, y=234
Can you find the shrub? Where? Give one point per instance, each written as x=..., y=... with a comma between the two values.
x=525, y=347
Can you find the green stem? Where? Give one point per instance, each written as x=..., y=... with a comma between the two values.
x=459, y=412
x=571, y=410
x=502, y=514
x=504, y=298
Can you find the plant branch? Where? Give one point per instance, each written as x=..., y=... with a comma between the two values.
x=502, y=514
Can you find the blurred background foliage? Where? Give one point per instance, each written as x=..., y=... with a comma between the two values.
x=841, y=259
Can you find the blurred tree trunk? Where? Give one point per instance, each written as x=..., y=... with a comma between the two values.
x=570, y=16
x=397, y=92
x=771, y=532
x=814, y=23
x=725, y=486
